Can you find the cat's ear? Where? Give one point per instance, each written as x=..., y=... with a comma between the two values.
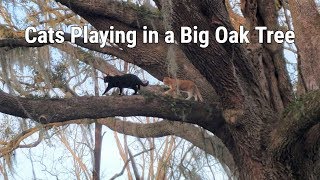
x=107, y=75
x=105, y=79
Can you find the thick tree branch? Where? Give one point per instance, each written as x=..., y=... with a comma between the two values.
x=305, y=19
x=306, y=156
x=59, y=110
x=276, y=51
x=158, y=4
x=216, y=60
x=298, y=120
x=225, y=66
x=312, y=143
x=125, y=13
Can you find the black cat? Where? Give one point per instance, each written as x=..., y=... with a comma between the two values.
x=125, y=81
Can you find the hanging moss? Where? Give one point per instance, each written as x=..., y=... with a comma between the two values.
x=145, y=10
x=172, y=63
x=305, y=101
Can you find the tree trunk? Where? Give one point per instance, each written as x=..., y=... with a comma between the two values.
x=97, y=137
x=97, y=151
x=250, y=136
x=306, y=21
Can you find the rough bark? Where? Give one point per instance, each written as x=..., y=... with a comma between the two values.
x=97, y=151
x=110, y=106
x=296, y=141
x=262, y=142
x=236, y=84
x=215, y=61
x=267, y=58
x=306, y=22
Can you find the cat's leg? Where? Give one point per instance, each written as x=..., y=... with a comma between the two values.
x=135, y=90
x=195, y=96
x=189, y=95
x=120, y=90
x=171, y=90
x=107, y=89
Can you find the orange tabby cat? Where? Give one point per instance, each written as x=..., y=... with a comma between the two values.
x=184, y=86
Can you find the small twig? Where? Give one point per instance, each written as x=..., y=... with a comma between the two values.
x=127, y=162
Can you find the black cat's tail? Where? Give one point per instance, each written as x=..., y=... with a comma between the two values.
x=144, y=83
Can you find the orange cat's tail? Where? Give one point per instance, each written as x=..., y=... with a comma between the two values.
x=198, y=94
